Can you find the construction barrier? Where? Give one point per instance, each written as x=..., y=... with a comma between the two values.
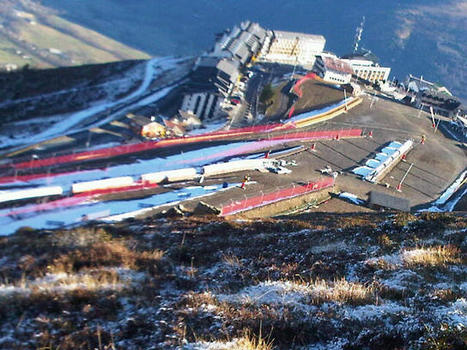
x=77, y=199
x=120, y=150
x=137, y=186
x=8, y=196
x=115, y=182
x=145, y=146
x=31, y=177
x=184, y=174
x=319, y=135
x=238, y=165
x=297, y=87
x=265, y=199
x=57, y=204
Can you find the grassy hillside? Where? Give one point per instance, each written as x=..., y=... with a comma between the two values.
x=33, y=35
x=28, y=93
x=323, y=281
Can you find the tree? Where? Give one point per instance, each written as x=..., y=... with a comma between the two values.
x=266, y=94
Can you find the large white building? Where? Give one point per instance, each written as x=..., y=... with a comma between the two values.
x=292, y=48
x=333, y=70
x=367, y=68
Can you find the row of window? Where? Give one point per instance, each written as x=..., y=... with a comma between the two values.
x=201, y=113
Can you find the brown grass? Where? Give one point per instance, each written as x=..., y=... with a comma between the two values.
x=385, y=241
x=340, y=290
x=106, y=254
x=431, y=256
x=231, y=260
x=251, y=342
x=317, y=95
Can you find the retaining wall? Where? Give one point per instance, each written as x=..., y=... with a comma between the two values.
x=334, y=112
x=280, y=195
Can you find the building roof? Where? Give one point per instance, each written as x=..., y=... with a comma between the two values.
x=388, y=201
x=336, y=64
x=257, y=31
x=247, y=38
x=207, y=61
x=362, y=55
x=445, y=101
x=229, y=67
x=239, y=49
x=293, y=35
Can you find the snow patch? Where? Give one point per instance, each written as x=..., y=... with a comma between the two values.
x=352, y=198
x=455, y=314
x=450, y=190
x=369, y=312
x=272, y=293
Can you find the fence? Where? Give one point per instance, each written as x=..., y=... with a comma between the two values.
x=145, y=146
x=279, y=195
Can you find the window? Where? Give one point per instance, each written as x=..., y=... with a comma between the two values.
x=197, y=100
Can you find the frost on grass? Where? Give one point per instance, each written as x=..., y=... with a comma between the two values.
x=199, y=284
x=431, y=256
x=93, y=280
x=437, y=256
x=455, y=314
x=302, y=293
x=368, y=312
x=247, y=342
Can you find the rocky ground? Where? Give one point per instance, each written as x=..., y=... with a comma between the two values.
x=312, y=281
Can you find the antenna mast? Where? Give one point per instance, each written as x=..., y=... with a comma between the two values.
x=358, y=34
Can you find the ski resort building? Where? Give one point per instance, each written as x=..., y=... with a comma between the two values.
x=216, y=72
x=428, y=95
x=210, y=82
x=292, y=48
x=366, y=67
x=241, y=43
x=332, y=69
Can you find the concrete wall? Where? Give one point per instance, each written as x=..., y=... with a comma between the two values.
x=30, y=193
x=289, y=204
x=102, y=184
x=239, y=165
x=170, y=176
